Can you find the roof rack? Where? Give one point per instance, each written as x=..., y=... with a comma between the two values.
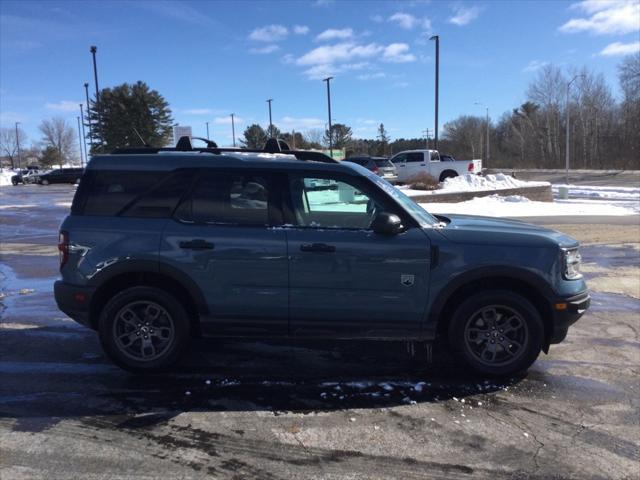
x=272, y=146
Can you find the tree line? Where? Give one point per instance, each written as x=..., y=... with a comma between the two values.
x=603, y=132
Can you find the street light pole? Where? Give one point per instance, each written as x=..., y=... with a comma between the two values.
x=270, y=121
x=328, y=79
x=86, y=92
x=437, y=40
x=93, y=51
x=84, y=138
x=566, y=150
x=233, y=129
x=80, y=141
x=207, y=130
x=18, y=146
x=486, y=159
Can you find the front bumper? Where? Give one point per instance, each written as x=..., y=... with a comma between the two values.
x=575, y=306
x=74, y=301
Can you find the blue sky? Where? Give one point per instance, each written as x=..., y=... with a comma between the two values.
x=209, y=59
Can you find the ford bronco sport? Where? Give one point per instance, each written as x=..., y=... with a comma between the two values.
x=162, y=245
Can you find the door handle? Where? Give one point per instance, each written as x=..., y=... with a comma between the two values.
x=197, y=244
x=423, y=164
x=317, y=247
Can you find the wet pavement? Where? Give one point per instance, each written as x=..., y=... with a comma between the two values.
x=278, y=410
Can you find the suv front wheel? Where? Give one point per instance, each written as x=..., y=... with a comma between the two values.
x=497, y=332
x=144, y=329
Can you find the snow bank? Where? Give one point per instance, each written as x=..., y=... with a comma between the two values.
x=597, y=192
x=474, y=183
x=518, y=206
x=5, y=177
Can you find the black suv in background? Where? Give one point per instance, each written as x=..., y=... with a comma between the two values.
x=381, y=166
x=62, y=175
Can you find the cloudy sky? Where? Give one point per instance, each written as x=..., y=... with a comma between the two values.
x=210, y=59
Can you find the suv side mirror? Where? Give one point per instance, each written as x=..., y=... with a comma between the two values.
x=386, y=223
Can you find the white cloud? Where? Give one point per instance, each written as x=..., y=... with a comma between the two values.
x=401, y=84
x=464, y=15
x=329, y=60
x=534, y=65
x=197, y=111
x=404, y=20
x=618, y=48
x=340, y=52
x=335, y=34
x=409, y=22
x=264, y=50
x=377, y=18
x=372, y=76
x=300, y=29
x=226, y=120
x=398, y=53
x=269, y=33
x=288, y=123
x=288, y=59
x=318, y=72
x=64, y=106
x=605, y=17
x=322, y=3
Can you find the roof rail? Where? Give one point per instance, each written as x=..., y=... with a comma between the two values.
x=272, y=146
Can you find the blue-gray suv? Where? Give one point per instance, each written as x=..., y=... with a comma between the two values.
x=163, y=245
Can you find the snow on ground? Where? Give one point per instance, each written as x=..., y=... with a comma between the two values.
x=599, y=192
x=518, y=206
x=474, y=183
x=5, y=177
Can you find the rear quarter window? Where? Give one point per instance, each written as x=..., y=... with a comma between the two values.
x=129, y=193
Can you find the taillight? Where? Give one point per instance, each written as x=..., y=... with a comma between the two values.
x=63, y=247
x=471, y=167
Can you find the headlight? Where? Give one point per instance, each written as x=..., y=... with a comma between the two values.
x=572, y=259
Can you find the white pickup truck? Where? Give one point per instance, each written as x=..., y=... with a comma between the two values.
x=412, y=162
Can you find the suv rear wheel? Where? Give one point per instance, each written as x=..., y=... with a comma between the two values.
x=144, y=329
x=498, y=332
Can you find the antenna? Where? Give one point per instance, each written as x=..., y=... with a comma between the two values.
x=144, y=142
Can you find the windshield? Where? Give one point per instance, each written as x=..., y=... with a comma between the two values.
x=424, y=218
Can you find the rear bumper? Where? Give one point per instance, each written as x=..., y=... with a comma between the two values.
x=576, y=305
x=74, y=301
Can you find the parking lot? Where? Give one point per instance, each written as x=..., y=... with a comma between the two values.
x=276, y=410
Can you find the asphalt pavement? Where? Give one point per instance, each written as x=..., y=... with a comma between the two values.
x=277, y=410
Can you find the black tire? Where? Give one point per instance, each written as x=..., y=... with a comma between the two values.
x=44, y=182
x=14, y=182
x=117, y=327
x=507, y=345
x=447, y=174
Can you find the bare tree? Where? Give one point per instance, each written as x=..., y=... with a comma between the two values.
x=9, y=144
x=59, y=134
x=314, y=137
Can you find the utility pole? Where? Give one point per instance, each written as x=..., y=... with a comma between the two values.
x=328, y=79
x=84, y=138
x=18, y=146
x=487, y=154
x=567, y=133
x=86, y=92
x=233, y=129
x=270, y=121
x=426, y=138
x=80, y=142
x=437, y=40
x=207, y=130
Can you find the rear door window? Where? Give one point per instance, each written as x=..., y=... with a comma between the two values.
x=223, y=198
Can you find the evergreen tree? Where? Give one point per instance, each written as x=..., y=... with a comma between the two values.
x=125, y=109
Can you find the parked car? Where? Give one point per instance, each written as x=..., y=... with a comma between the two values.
x=25, y=175
x=161, y=248
x=61, y=175
x=412, y=162
x=381, y=166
